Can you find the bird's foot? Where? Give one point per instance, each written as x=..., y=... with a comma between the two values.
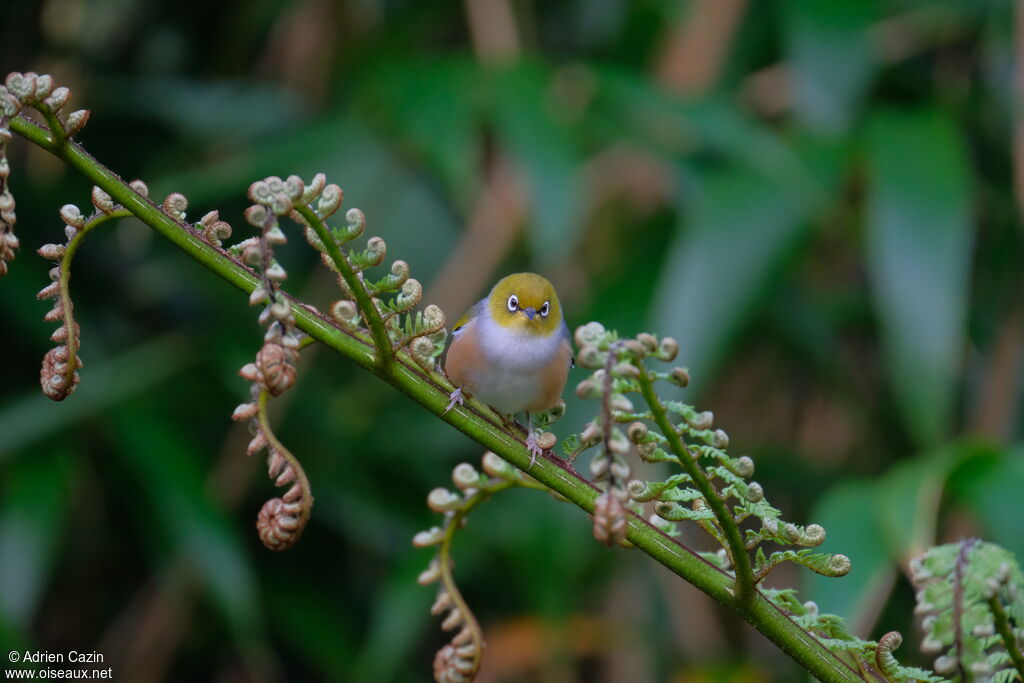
x=531, y=445
x=455, y=397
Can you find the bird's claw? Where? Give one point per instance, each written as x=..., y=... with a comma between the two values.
x=535, y=450
x=455, y=397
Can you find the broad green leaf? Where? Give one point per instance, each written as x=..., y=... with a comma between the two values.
x=735, y=235
x=895, y=518
x=918, y=249
x=32, y=520
x=990, y=485
x=674, y=128
x=907, y=506
x=830, y=59
x=848, y=514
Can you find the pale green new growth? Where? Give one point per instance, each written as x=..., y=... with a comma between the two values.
x=713, y=489
x=971, y=596
x=874, y=659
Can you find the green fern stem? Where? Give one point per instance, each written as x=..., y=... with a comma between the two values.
x=65, y=278
x=59, y=136
x=413, y=381
x=385, y=353
x=1002, y=623
x=276, y=446
x=744, y=589
x=444, y=556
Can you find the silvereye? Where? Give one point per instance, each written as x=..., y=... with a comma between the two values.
x=511, y=350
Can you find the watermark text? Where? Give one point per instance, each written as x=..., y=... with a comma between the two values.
x=29, y=665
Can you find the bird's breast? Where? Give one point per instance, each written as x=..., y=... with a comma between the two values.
x=506, y=390
x=509, y=370
x=512, y=348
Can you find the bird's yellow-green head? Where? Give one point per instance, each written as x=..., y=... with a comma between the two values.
x=525, y=302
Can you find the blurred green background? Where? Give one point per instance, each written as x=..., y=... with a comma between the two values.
x=819, y=200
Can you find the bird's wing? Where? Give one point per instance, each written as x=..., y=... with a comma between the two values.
x=568, y=341
x=473, y=312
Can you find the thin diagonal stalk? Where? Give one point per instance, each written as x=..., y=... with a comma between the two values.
x=57, y=132
x=64, y=283
x=958, y=602
x=370, y=313
x=444, y=556
x=1002, y=623
x=275, y=446
x=737, y=548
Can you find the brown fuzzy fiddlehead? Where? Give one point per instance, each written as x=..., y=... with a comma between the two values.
x=8, y=240
x=609, y=463
x=281, y=520
x=459, y=660
x=58, y=376
x=388, y=324
x=34, y=91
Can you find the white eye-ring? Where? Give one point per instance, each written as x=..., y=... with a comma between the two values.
x=513, y=304
x=545, y=309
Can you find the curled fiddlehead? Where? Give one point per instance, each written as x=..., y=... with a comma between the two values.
x=710, y=487
x=281, y=520
x=459, y=660
x=58, y=376
x=971, y=600
x=33, y=91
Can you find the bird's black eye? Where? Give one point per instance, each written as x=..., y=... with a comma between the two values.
x=545, y=309
x=513, y=303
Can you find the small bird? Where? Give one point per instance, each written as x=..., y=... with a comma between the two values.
x=511, y=350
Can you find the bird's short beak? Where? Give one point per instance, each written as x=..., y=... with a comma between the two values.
x=529, y=312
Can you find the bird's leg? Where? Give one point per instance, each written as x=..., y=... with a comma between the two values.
x=455, y=397
x=531, y=441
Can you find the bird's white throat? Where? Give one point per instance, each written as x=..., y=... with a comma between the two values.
x=514, y=349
